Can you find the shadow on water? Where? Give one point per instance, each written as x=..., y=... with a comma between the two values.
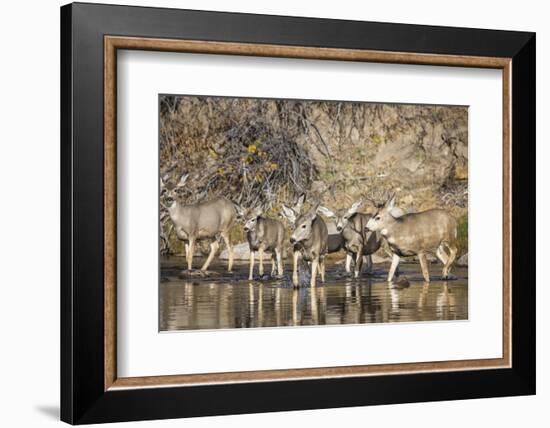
x=229, y=300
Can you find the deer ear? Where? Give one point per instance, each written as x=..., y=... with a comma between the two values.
x=300, y=202
x=397, y=212
x=313, y=212
x=289, y=214
x=239, y=210
x=162, y=186
x=325, y=211
x=356, y=205
x=258, y=211
x=391, y=203
x=183, y=180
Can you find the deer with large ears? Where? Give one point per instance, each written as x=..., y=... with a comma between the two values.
x=335, y=240
x=263, y=234
x=358, y=242
x=309, y=240
x=417, y=234
x=203, y=220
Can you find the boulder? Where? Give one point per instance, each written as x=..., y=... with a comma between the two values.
x=463, y=260
x=240, y=252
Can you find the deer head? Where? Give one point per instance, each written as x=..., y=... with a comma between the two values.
x=383, y=217
x=301, y=228
x=292, y=213
x=169, y=193
x=250, y=218
x=341, y=216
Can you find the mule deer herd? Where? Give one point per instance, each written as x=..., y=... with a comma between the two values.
x=359, y=234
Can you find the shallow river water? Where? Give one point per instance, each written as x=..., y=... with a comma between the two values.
x=222, y=300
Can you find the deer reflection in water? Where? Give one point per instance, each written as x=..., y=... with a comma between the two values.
x=225, y=301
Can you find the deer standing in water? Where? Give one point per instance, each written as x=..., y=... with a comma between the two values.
x=357, y=241
x=335, y=239
x=416, y=234
x=202, y=220
x=309, y=239
x=263, y=234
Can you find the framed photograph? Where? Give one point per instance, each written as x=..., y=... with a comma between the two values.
x=265, y=213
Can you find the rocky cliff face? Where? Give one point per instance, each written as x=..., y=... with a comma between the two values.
x=418, y=152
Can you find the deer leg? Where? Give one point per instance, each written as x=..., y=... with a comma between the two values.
x=424, y=266
x=440, y=253
x=279, y=262
x=358, y=262
x=295, y=269
x=348, y=262
x=314, y=265
x=186, y=246
x=273, y=263
x=251, y=271
x=190, y=251
x=225, y=238
x=213, y=249
x=452, y=255
x=322, y=269
x=261, y=254
x=393, y=267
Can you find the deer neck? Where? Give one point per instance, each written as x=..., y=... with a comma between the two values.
x=181, y=215
x=308, y=242
x=388, y=231
x=260, y=223
x=173, y=210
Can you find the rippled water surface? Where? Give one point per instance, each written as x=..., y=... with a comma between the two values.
x=222, y=300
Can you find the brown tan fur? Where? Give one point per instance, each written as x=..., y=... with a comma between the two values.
x=358, y=242
x=309, y=239
x=417, y=234
x=263, y=234
x=203, y=220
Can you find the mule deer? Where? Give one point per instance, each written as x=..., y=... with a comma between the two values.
x=335, y=239
x=309, y=240
x=263, y=234
x=417, y=234
x=203, y=220
x=357, y=241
